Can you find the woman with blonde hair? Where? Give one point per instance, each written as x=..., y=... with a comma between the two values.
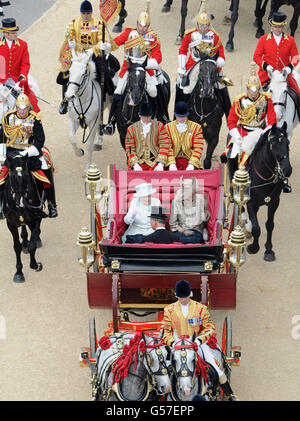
x=189, y=212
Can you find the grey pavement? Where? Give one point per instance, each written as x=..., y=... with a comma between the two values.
x=26, y=11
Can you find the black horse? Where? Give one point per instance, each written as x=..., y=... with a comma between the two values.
x=135, y=93
x=122, y=16
x=269, y=167
x=204, y=104
x=23, y=201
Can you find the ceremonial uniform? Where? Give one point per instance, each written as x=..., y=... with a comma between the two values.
x=247, y=115
x=149, y=149
x=27, y=136
x=16, y=64
x=185, y=147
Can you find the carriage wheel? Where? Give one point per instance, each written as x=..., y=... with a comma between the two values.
x=93, y=340
x=227, y=336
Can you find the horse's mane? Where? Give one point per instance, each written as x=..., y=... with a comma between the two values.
x=261, y=142
x=82, y=58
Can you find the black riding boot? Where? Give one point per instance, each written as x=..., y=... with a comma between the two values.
x=161, y=106
x=109, y=128
x=1, y=204
x=63, y=108
x=50, y=195
x=228, y=391
x=225, y=99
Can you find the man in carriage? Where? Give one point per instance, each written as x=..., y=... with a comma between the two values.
x=186, y=316
x=146, y=143
x=186, y=141
x=15, y=62
x=195, y=43
x=85, y=34
x=277, y=51
x=22, y=132
x=140, y=41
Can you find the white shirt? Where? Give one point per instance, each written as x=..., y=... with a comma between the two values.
x=9, y=42
x=184, y=309
x=277, y=38
x=146, y=128
x=181, y=127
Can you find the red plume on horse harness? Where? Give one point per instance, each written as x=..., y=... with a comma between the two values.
x=201, y=366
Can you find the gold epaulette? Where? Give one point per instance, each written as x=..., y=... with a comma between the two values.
x=267, y=94
x=188, y=31
x=269, y=36
x=238, y=97
x=36, y=115
x=130, y=27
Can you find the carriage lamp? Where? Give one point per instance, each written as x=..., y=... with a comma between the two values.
x=93, y=184
x=237, y=247
x=86, y=248
x=241, y=186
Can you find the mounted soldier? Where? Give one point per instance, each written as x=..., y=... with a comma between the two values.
x=15, y=60
x=22, y=132
x=197, y=42
x=140, y=43
x=85, y=34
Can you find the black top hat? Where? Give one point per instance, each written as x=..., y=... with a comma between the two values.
x=9, y=25
x=181, y=109
x=278, y=19
x=86, y=7
x=182, y=289
x=145, y=109
x=157, y=212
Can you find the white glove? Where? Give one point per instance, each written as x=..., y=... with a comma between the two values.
x=270, y=68
x=89, y=52
x=159, y=167
x=181, y=64
x=181, y=72
x=190, y=167
x=72, y=44
x=137, y=167
x=237, y=140
x=2, y=159
x=132, y=216
x=172, y=167
x=105, y=46
x=287, y=69
x=31, y=151
x=17, y=87
x=220, y=62
x=152, y=64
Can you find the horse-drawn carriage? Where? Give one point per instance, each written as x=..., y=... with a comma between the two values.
x=139, y=279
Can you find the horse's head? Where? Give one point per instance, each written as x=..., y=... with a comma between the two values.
x=208, y=76
x=278, y=87
x=279, y=148
x=81, y=69
x=18, y=178
x=136, y=80
x=184, y=360
x=156, y=354
x=7, y=99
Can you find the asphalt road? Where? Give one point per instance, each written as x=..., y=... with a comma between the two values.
x=44, y=322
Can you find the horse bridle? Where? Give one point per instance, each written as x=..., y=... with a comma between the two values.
x=184, y=370
x=154, y=345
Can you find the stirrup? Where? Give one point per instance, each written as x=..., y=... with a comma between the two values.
x=286, y=188
x=109, y=129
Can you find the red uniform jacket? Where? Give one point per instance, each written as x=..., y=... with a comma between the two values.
x=155, y=51
x=14, y=62
x=184, y=48
x=267, y=52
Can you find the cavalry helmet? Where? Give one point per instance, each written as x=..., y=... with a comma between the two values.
x=253, y=81
x=203, y=18
x=23, y=101
x=144, y=18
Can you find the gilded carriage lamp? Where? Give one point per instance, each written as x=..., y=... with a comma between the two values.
x=94, y=185
x=86, y=248
x=237, y=247
x=241, y=188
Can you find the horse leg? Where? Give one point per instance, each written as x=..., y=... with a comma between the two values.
x=73, y=126
x=212, y=141
x=269, y=255
x=167, y=6
x=183, y=12
x=35, y=231
x=234, y=17
x=252, y=212
x=294, y=20
x=24, y=236
x=19, y=276
x=260, y=13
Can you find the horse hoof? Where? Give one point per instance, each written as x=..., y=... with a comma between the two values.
x=269, y=256
x=97, y=147
x=117, y=28
x=39, y=267
x=251, y=250
x=39, y=244
x=79, y=152
x=207, y=164
x=229, y=47
x=25, y=250
x=166, y=9
x=19, y=278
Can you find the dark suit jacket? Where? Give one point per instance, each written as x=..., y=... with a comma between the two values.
x=159, y=236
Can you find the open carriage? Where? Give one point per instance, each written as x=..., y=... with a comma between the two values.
x=139, y=279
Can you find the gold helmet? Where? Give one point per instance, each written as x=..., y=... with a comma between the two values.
x=23, y=101
x=253, y=81
x=144, y=18
x=203, y=18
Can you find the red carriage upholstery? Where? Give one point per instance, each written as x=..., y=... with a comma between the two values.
x=166, y=183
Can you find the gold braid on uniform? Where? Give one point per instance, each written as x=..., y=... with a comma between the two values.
x=17, y=131
x=246, y=115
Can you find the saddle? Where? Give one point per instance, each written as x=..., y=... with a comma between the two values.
x=296, y=98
